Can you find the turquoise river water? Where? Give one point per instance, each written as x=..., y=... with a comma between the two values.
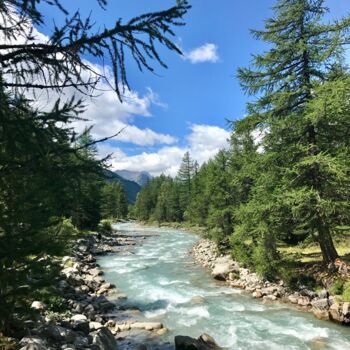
x=161, y=279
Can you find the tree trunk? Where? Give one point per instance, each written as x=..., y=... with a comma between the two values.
x=325, y=241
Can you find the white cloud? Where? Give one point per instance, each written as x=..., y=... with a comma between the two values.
x=203, y=142
x=205, y=53
x=105, y=112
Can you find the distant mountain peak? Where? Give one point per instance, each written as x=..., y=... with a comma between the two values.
x=132, y=188
x=140, y=177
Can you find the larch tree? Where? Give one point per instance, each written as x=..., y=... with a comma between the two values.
x=184, y=177
x=298, y=163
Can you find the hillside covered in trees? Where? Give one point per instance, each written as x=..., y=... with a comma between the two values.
x=285, y=177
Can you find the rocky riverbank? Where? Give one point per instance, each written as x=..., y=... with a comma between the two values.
x=94, y=320
x=322, y=304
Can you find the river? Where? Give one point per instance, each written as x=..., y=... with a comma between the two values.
x=161, y=279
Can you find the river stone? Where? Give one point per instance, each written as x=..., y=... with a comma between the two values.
x=81, y=342
x=204, y=342
x=95, y=272
x=51, y=332
x=94, y=326
x=122, y=327
x=148, y=326
x=33, y=346
x=198, y=299
x=33, y=340
x=322, y=304
x=335, y=314
x=79, y=317
x=82, y=326
x=293, y=298
x=257, y=294
x=303, y=301
x=321, y=314
x=104, y=339
x=38, y=305
x=346, y=309
x=223, y=266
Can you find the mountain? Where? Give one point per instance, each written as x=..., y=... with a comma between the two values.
x=131, y=187
x=140, y=177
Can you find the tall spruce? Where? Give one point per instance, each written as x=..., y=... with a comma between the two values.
x=299, y=164
x=184, y=177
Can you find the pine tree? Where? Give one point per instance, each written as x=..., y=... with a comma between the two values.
x=297, y=161
x=184, y=177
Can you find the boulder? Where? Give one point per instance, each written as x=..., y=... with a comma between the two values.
x=33, y=340
x=293, y=298
x=270, y=297
x=148, y=326
x=257, y=294
x=81, y=342
x=94, y=326
x=304, y=301
x=104, y=339
x=51, y=332
x=323, y=294
x=335, y=313
x=346, y=309
x=95, y=272
x=321, y=304
x=79, y=317
x=33, y=346
x=82, y=326
x=122, y=327
x=38, y=305
x=204, y=342
x=222, y=268
x=321, y=314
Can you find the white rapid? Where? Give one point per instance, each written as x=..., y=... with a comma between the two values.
x=161, y=279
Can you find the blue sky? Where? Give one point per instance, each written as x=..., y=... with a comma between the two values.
x=186, y=106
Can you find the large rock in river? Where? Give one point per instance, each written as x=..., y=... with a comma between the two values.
x=204, y=342
x=222, y=268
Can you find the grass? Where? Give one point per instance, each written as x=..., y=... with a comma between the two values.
x=312, y=252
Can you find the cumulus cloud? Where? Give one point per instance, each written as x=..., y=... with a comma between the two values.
x=205, y=53
x=105, y=112
x=107, y=115
x=203, y=142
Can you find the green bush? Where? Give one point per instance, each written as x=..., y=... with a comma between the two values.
x=337, y=287
x=264, y=264
x=67, y=229
x=346, y=292
x=105, y=227
x=240, y=251
x=346, y=295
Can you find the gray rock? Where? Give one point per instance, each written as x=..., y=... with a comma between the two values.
x=323, y=294
x=51, y=332
x=82, y=326
x=321, y=304
x=104, y=339
x=346, y=309
x=222, y=268
x=79, y=317
x=204, y=342
x=335, y=313
x=33, y=346
x=33, y=340
x=81, y=342
x=38, y=305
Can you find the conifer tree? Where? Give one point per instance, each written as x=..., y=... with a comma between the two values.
x=184, y=177
x=297, y=161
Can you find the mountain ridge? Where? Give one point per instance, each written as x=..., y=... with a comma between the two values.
x=140, y=177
